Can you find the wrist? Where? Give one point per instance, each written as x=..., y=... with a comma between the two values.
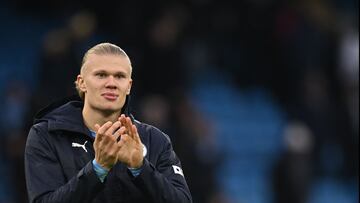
x=107, y=168
x=136, y=165
x=99, y=170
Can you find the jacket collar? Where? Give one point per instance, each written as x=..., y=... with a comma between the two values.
x=66, y=115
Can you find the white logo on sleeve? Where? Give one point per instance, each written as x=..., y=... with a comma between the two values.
x=178, y=170
x=79, y=145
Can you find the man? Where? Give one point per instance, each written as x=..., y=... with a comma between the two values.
x=93, y=150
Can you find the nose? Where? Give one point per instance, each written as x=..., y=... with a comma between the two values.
x=110, y=83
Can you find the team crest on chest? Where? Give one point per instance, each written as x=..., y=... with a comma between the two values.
x=144, y=150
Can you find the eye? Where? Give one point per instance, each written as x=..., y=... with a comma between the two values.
x=119, y=76
x=100, y=75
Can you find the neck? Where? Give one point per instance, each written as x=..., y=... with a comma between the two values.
x=96, y=116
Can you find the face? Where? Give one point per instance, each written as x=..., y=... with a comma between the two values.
x=105, y=80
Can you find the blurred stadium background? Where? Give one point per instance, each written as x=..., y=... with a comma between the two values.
x=260, y=97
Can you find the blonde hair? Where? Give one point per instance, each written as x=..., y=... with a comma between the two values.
x=100, y=49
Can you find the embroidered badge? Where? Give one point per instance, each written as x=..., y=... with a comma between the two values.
x=178, y=170
x=144, y=151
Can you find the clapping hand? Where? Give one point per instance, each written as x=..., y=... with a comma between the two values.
x=130, y=146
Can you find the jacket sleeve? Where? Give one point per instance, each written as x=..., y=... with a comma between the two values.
x=45, y=179
x=165, y=182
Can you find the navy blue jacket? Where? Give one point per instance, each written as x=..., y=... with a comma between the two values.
x=57, y=171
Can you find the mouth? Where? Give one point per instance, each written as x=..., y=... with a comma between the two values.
x=110, y=96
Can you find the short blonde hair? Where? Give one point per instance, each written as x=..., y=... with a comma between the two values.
x=100, y=49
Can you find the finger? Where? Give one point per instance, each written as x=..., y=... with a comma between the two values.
x=119, y=132
x=128, y=121
x=121, y=142
x=97, y=126
x=136, y=134
x=109, y=138
x=121, y=116
x=104, y=128
x=113, y=128
x=124, y=122
x=122, y=119
x=113, y=148
x=124, y=139
x=98, y=136
x=129, y=127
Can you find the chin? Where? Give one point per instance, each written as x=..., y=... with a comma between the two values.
x=109, y=111
x=111, y=108
x=108, y=107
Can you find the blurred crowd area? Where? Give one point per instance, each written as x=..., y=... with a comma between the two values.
x=259, y=97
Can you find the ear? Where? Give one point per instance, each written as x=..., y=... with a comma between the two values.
x=129, y=87
x=81, y=83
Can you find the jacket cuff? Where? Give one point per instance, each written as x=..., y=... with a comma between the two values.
x=89, y=176
x=147, y=170
x=100, y=171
